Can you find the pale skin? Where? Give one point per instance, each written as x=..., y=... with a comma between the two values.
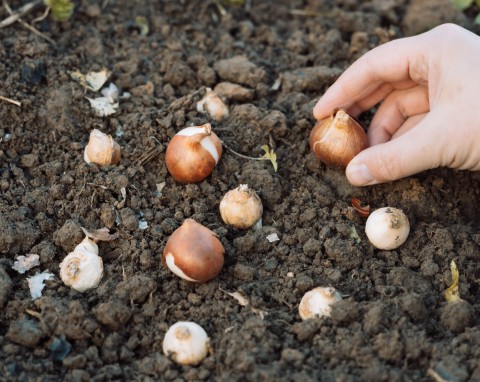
x=428, y=91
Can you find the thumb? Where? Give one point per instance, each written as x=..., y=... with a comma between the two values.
x=415, y=151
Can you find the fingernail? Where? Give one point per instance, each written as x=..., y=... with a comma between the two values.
x=359, y=174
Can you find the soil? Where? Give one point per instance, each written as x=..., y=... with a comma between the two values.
x=393, y=324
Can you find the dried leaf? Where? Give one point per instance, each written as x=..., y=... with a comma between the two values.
x=241, y=299
x=102, y=106
x=111, y=92
x=36, y=283
x=102, y=234
x=24, y=263
x=273, y=237
x=277, y=84
x=142, y=224
x=270, y=155
x=123, y=192
x=259, y=312
x=160, y=187
x=92, y=81
x=363, y=211
x=452, y=293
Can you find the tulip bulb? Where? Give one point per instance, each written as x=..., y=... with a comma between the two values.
x=212, y=104
x=318, y=302
x=101, y=149
x=387, y=228
x=241, y=207
x=82, y=269
x=193, y=153
x=193, y=252
x=186, y=343
x=337, y=139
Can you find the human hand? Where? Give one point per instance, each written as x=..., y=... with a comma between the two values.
x=429, y=116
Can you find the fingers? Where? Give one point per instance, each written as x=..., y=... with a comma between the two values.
x=394, y=111
x=401, y=62
x=410, y=153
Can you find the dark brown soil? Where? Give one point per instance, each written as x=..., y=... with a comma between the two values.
x=394, y=324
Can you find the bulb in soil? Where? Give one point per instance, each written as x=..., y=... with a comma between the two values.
x=337, y=139
x=193, y=153
x=101, y=149
x=82, y=269
x=387, y=228
x=241, y=207
x=186, y=343
x=193, y=252
x=212, y=104
x=318, y=302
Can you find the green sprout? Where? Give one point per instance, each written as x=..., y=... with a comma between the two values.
x=61, y=9
x=142, y=24
x=270, y=155
x=465, y=4
x=354, y=235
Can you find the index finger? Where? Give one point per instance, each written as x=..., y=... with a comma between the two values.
x=379, y=71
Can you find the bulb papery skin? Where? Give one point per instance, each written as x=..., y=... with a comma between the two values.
x=241, y=207
x=193, y=153
x=337, y=139
x=186, y=343
x=318, y=302
x=81, y=270
x=387, y=228
x=88, y=245
x=101, y=149
x=193, y=252
x=212, y=104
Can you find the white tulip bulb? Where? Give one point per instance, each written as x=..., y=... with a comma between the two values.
x=186, y=343
x=318, y=302
x=212, y=104
x=387, y=228
x=82, y=269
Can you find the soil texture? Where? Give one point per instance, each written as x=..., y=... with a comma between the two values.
x=270, y=61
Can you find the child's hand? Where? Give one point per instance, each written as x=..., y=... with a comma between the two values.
x=429, y=116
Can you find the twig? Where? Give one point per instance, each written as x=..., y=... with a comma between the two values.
x=42, y=17
x=14, y=16
x=437, y=377
x=10, y=100
x=241, y=155
x=309, y=13
x=26, y=25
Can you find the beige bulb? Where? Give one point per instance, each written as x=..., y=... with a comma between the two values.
x=318, y=302
x=387, y=228
x=101, y=149
x=212, y=104
x=82, y=269
x=186, y=343
x=241, y=207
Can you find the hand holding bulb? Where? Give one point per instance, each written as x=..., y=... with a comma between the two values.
x=428, y=90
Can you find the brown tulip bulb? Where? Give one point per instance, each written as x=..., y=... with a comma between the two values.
x=193, y=252
x=193, y=153
x=101, y=149
x=337, y=139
